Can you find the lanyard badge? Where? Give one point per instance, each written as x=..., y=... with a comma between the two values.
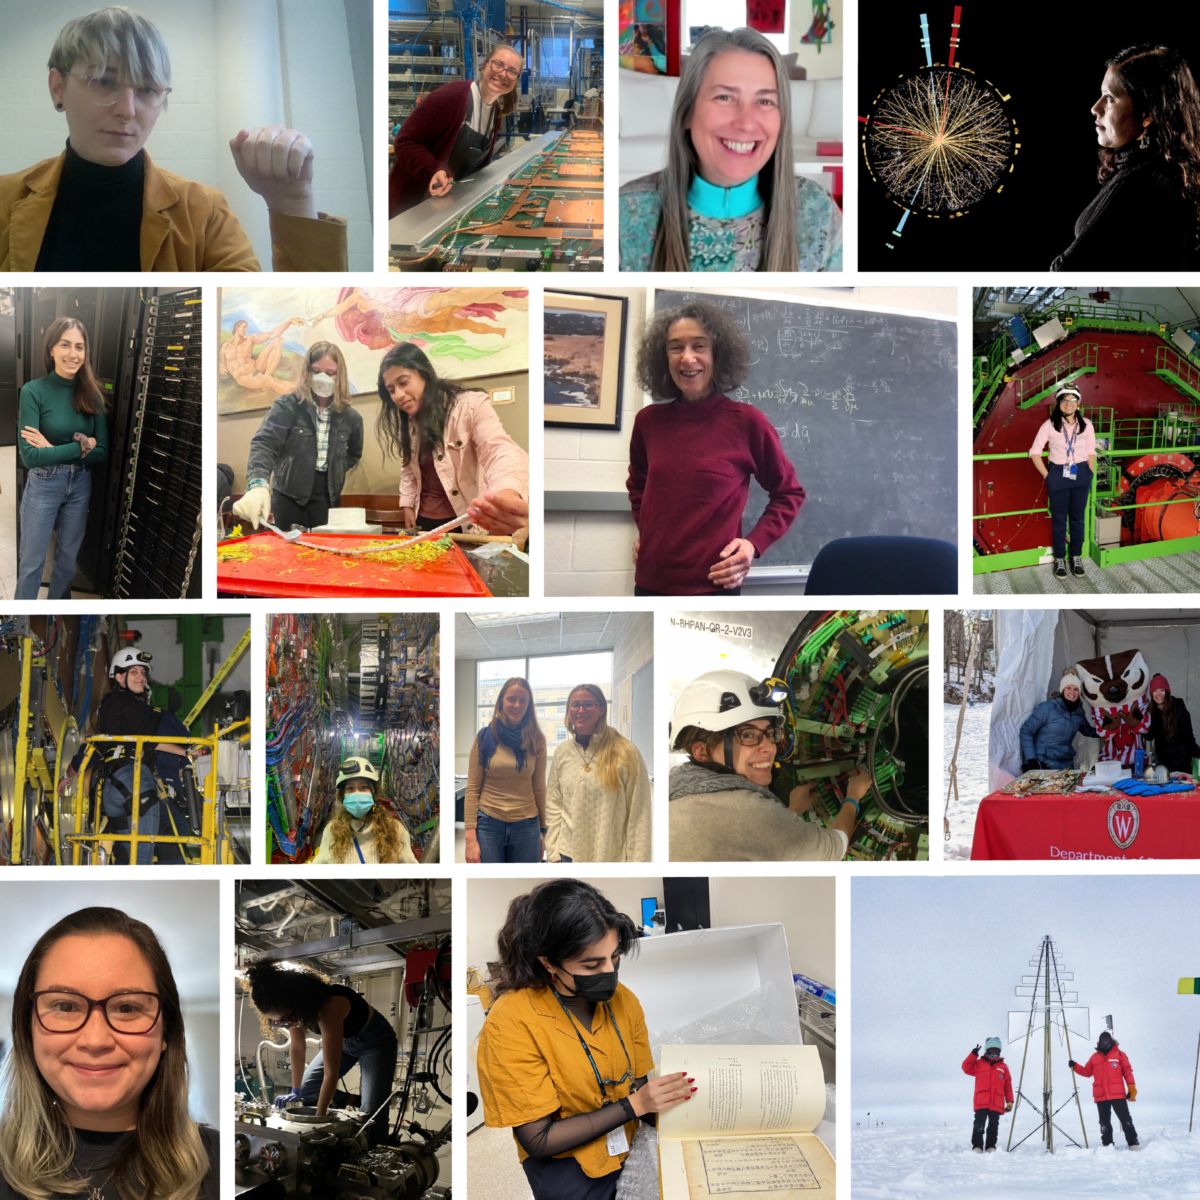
x=600, y=1083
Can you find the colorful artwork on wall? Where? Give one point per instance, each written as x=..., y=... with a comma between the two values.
x=649, y=36
x=765, y=15
x=265, y=333
x=821, y=30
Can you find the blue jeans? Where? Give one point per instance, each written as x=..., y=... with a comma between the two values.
x=508, y=841
x=374, y=1049
x=54, y=497
x=154, y=820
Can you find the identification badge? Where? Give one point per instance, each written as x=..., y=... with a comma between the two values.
x=1070, y=470
x=618, y=1143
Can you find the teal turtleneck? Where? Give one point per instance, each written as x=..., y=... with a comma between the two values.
x=724, y=204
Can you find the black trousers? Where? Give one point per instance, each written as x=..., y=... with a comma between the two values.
x=991, y=1118
x=564, y=1179
x=311, y=514
x=641, y=591
x=1121, y=1107
x=1068, y=498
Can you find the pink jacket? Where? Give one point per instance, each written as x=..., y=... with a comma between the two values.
x=1109, y=1072
x=477, y=456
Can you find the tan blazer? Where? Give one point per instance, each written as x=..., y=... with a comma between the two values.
x=477, y=456
x=186, y=226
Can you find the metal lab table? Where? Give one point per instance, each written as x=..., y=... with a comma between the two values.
x=416, y=228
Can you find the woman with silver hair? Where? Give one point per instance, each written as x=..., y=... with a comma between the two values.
x=728, y=199
x=691, y=460
x=308, y=443
x=102, y=205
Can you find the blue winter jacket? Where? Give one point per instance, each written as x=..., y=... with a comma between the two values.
x=1049, y=731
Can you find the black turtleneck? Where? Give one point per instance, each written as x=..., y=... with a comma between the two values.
x=1139, y=220
x=96, y=222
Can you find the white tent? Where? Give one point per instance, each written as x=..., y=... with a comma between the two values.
x=1035, y=646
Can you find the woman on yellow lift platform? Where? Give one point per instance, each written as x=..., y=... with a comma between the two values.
x=98, y=989
x=564, y=1056
x=125, y=711
x=361, y=829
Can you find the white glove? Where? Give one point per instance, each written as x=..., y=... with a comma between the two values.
x=254, y=506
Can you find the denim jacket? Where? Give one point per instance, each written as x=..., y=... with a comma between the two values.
x=286, y=443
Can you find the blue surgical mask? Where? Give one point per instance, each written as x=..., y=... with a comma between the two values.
x=358, y=804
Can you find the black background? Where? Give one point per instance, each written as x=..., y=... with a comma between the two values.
x=1050, y=61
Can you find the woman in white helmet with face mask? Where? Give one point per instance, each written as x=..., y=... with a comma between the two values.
x=305, y=447
x=361, y=829
x=722, y=807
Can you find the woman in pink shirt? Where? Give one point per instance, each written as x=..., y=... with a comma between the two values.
x=1068, y=476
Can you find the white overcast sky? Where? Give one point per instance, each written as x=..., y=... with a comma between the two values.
x=935, y=962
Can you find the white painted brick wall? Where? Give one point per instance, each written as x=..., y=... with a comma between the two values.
x=186, y=139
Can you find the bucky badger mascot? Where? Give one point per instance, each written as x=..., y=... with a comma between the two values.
x=1115, y=686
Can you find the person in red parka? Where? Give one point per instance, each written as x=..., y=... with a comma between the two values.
x=993, y=1093
x=1109, y=1071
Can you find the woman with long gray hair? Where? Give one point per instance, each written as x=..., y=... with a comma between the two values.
x=96, y=1089
x=728, y=199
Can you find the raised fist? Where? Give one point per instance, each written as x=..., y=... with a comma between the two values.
x=277, y=163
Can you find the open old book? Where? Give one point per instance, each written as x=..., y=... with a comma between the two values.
x=747, y=1132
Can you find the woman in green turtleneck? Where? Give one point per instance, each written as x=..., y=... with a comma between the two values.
x=63, y=435
x=728, y=199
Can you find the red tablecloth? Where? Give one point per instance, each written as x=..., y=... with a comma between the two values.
x=1088, y=827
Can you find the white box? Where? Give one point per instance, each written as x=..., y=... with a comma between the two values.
x=680, y=977
x=475, y=1016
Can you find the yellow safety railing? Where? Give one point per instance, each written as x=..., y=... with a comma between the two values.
x=212, y=839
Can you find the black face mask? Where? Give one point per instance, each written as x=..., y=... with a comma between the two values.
x=595, y=989
x=993, y=1054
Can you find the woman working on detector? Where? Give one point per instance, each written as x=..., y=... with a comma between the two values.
x=1146, y=216
x=728, y=199
x=306, y=446
x=691, y=461
x=63, y=435
x=98, y=989
x=455, y=456
x=564, y=1056
x=722, y=807
x=1068, y=476
x=452, y=133
x=302, y=1001
x=102, y=205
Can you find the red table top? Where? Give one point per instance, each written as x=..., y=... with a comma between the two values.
x=283, y=569
x=1087, y=827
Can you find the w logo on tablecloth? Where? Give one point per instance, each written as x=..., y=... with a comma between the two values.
x=1123, y=822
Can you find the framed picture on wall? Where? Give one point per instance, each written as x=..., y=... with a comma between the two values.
x=584, y=360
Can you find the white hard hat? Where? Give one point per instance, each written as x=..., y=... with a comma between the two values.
x=719, y=700
x=1068, y=389
x=357, y=768
x=124, y=659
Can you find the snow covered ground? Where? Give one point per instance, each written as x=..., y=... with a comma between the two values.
x=937, y=1161
x=972, y=773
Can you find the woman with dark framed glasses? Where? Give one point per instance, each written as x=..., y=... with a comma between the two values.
x=96, y=1083
x=597, y=789
x=564, y=1056
x=722, y=807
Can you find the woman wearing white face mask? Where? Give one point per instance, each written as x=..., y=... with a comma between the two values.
x=309, y=440
x=361, y=830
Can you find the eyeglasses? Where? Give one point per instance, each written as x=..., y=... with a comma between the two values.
x=510, y=72
x=582, y=706
x=125, y=1012
x=105, y=90
x=751, y=735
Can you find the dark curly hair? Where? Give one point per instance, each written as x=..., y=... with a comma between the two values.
x=392, y=427
x=296, y=988
x=1162, y=87
x=557, y=920
x=730, y=349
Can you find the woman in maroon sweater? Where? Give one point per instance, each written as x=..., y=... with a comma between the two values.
x=690, y=460
x=452, y=133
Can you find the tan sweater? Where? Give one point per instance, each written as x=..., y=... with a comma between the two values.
x=588, y=824
x=503, y=792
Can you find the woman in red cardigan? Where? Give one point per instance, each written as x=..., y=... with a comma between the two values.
x=452, y=132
